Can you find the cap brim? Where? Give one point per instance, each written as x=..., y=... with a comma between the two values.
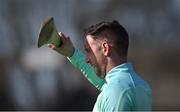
x=45, y=31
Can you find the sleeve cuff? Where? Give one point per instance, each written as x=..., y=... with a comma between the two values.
x=74, y=56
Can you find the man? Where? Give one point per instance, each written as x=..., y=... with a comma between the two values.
x=106, y=67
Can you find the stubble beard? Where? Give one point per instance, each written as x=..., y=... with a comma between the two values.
x=99, y=70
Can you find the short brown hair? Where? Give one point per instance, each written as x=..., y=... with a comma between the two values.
x=113, y=32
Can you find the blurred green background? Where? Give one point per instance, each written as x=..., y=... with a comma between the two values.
x=41, y=79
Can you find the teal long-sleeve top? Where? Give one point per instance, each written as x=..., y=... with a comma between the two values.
x=122, y=88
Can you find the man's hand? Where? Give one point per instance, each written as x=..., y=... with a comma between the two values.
x=66, y=49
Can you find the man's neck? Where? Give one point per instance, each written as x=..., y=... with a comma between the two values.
x=115, y=62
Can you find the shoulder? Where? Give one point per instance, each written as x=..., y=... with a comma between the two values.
x=115, y=98
x=115, y=91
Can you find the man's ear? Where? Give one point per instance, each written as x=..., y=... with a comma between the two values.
x=105, y=48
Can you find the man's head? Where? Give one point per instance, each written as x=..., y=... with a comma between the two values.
x=105, y=41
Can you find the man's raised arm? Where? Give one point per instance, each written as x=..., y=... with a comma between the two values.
x=77, y=58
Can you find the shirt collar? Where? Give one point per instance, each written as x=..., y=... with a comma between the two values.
x=119, y=68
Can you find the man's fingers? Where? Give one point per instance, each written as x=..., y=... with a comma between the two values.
x=62, y=36
x=51, y=46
